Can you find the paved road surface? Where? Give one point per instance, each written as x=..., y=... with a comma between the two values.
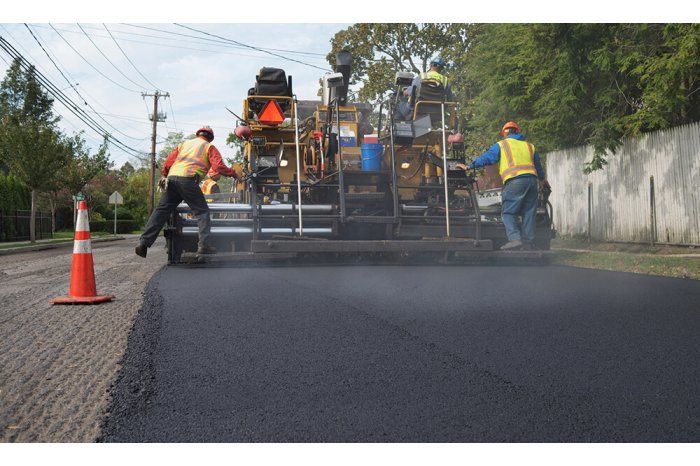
x=424, y=353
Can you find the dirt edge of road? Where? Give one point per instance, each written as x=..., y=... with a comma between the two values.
x=132, y=388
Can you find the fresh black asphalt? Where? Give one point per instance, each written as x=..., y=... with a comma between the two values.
x=411, y=353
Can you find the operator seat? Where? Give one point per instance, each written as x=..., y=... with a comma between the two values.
x=430, y=90
x=271, y=82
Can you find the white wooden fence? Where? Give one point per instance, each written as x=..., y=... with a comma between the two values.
x=648, y=192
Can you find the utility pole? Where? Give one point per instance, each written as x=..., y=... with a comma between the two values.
x=155, y=117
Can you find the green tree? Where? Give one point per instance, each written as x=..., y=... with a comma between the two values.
x=573, y=84
x=380, y=50
x=30, y=144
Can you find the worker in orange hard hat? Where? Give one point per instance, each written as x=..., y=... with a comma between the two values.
x=188, y=163
x=520, y=168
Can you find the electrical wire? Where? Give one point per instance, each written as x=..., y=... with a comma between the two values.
x=172, y=112
x=225, y=41
x=252, y=47
x=74, y=88
x=179, y=46
x=91, y=65
x=107, y=58
x=63, y=99
x=127, y=57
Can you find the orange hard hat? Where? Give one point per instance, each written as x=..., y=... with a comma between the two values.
x=509, y=125
x=206, y=129
x=213, y=174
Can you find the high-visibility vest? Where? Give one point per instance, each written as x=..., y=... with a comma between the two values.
x=192, y=159
x=435, y=76
x=208, y=186
x=517, y=158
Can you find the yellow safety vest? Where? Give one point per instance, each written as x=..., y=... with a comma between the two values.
x=517, y=158
x=192, y=159
x=435, y=76
x=207, y=187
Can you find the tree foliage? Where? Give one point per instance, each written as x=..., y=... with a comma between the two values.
x=566, y=84
x=380, y=50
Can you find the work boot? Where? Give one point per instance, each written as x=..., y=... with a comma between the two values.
x=206, y=250
x=512, y=245
x=141, y=250
x=529, y=247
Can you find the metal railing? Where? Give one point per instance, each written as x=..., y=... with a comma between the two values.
x=14, y=225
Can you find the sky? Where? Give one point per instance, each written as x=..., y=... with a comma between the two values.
x=202, y=77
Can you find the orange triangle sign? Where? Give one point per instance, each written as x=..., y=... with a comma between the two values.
x=271, y=114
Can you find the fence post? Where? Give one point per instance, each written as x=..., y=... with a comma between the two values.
x=652, y=210
x=590, y=209
x=16, y=224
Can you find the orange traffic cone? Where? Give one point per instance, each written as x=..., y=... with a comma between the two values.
x=82, y=272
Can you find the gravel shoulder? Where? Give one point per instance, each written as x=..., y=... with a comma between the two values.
x=57, y=363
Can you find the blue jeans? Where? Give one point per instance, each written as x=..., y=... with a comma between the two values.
x=519, y=198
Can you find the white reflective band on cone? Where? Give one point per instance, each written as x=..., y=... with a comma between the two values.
x=82, y=246
x=82, y=223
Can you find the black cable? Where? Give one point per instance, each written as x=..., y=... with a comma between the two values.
x=179, y=46
x=63, y=99
x=73, y=87
x=91, y=65
x=252, y=47
x=127, y=57
x=107, y=58
x=225, y=41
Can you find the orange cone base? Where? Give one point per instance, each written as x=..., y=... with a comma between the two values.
x=83, y=300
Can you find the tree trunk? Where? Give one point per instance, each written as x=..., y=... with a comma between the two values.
x=52, y=202
x=32, y=219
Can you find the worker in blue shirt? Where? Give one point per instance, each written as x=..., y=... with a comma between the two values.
x=520, y=168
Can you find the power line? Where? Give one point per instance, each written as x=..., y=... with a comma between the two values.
x=91, y=65
x=179, y=46
x=252, y=47
x=127, y=57
x=73, y=87
x=63, y=99
x=64, y=67
x=172, y=112
x=106, y=58
x=225, y=42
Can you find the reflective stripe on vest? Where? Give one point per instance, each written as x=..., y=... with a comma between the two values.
x=517, y=158
x=192, y=158
x=435, y=76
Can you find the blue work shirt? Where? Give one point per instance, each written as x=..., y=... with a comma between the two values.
x=493, y=155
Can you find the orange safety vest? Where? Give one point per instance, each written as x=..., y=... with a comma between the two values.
x=207, y=187
x=517, y=158
x=192, y=159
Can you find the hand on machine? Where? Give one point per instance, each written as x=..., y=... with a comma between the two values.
x=162, y=184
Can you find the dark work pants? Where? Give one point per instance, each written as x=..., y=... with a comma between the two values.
x=179, y=189
x=519, y=198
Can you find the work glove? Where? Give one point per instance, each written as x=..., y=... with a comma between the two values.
x=163, y=184
x=544, y=184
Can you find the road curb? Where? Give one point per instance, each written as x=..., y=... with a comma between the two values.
x=646, y=254
x=41, y=247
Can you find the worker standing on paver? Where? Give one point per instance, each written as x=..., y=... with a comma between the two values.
x=185, y=166
x=520, y=168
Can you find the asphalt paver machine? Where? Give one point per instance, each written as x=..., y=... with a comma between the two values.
x=319, y=183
